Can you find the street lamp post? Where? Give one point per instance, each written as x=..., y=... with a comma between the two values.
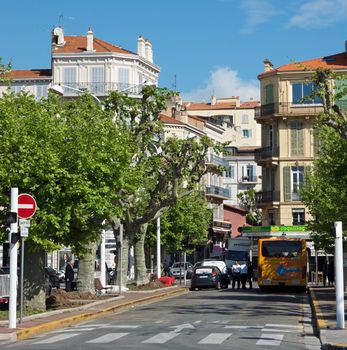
x=158, y=249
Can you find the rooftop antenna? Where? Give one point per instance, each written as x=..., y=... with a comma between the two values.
x=175, y=83
x=61, y=17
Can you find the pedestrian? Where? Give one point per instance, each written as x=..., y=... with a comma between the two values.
x=244, y=274
x=331, y=273
x=250, y=274
x=69, y=276
x=325, y=272
x=236, y=272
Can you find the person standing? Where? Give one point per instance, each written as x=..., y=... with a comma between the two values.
x=250, y=274
x=325, y=272
x=244, y=274
x=69, y=276
x=236, y=272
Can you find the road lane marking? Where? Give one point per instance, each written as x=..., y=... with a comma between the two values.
x=121, y=326
x=243, y=327
x=215, y=338
x=279, y=330
x=270, y=339
x=107, y=338
x=281, y=325
x=161, y=338
x=67, y=330
x=56, y=338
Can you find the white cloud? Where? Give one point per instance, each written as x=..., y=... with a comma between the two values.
x=319, y=14
x=257, y=13
x=224, y=82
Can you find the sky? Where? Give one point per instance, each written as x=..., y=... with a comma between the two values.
x=203, y=47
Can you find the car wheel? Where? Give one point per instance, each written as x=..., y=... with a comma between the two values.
x=192, y=289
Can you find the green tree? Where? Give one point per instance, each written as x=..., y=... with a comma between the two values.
x=70, y=157
x=324, y=192
x=247, y=200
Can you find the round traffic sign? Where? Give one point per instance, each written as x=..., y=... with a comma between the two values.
x=26, y=206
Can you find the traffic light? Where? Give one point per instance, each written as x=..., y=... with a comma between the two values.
x=11, y=218
x=186, y=243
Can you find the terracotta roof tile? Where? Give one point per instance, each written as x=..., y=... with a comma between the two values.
x=30, y=74
x=76, y=44
x=338, y=61
x=249, y=104
x=169, y=120
x=208, y=106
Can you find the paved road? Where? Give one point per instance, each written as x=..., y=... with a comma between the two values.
x=206, y=319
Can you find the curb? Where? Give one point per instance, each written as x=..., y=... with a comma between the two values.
x=67, y=321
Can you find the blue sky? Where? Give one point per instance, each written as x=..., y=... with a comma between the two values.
x=210, y=46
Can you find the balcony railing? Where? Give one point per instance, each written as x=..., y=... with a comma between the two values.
x=288, y=108
x=265, y=153
x=249, y=179
x=216, y=160
x=267, y=197
x=101, y=89
x=217, y=191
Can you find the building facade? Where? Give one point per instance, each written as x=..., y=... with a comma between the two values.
x=289, y=145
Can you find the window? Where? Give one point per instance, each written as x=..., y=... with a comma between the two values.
x=247, y=133
x=140, y=78
x=41, y=91
x=297, y=139
x=16, y=89
x=271, y=218
x=269, y=94
x=272, y=249
x=97, y=80
x=69, y=76
x=298, y=216
x=293, y=180
x=123, y=78
x=302, y=90
x=297, y=181
x=230, y=173
x=248, y=173
x=245, y=119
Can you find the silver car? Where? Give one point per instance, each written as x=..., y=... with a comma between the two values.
x=177, y=270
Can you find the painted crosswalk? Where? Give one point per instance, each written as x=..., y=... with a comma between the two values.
x=268, y=335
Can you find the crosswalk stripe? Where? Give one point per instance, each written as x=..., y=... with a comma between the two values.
x=243, y=327
x=68, y=330
x=282, y=325
x=161, y=338
x=121, y=326
x=215, y=338
x=107, y=338
x=56, y=338
x=270, y=339
x=279, y=330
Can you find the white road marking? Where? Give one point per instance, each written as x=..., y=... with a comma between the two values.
x=196, y=322
x=121, y=326
x=107, y=338
x=56, y=338
x=161, y=338
x=243, y=327
x=281, y=325
x=270, y=339
x=215, y=338
x=91, y=325
x=67, y=330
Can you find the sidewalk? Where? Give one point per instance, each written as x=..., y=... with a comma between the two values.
x=45, y=322
x=323, y=302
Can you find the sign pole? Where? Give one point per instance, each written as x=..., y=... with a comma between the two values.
x=21, y=280
x=340, y=295
x=12, y=309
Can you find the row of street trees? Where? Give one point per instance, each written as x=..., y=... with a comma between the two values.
x=91, y=165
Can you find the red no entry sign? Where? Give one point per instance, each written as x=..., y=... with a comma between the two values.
x=26, y=206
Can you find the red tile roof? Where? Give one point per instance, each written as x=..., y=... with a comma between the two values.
x=77, y=44
x=338, y=61
x=220, y=105
x=169, y=120
x=30, y=74
x=249, y=104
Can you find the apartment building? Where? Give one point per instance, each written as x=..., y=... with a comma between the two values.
x=288, y=140
x=242, y=135
x=86, y=63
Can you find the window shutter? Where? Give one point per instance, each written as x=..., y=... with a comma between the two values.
x=269, y=94
x=286, y=184
x=307, y=172
x=69, y=75
x=297, y=139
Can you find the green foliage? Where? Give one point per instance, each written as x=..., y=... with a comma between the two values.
x=71, y=157
x=247, y=199
x=189, y=219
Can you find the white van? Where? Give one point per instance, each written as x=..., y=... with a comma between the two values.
x=223, y=269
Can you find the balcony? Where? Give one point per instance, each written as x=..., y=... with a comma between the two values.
x=266, y=153
x=267, y=197
x=287, y=109
x=218, y=192
x=102, y=89
x=249, y=179
x=216, y=160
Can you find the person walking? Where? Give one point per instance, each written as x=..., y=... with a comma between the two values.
x=325, y=272
x=236, y=272
x=244, y=274
x=250, y=274
x=69, y=276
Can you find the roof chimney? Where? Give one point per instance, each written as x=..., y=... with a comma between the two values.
x=213, y=100
x=90, y=39
x=149, y=51
x=141, y=46
x=58, y=36
x=267, y=65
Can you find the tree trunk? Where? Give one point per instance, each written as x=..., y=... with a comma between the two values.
x=122, y=261
x=141, y=276
x=34, y=279
x=86, y=268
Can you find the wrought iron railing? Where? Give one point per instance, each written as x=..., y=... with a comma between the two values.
x=267, y=196
x=266, y=152
x=248, y=179
x=288, y=108
x=216, y=160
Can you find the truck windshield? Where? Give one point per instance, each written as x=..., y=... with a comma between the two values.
x=237, y=255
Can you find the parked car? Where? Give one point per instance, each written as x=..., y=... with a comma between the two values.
x=51, y=280
x=206, y=277
x=225, y=276
x=178, y=268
